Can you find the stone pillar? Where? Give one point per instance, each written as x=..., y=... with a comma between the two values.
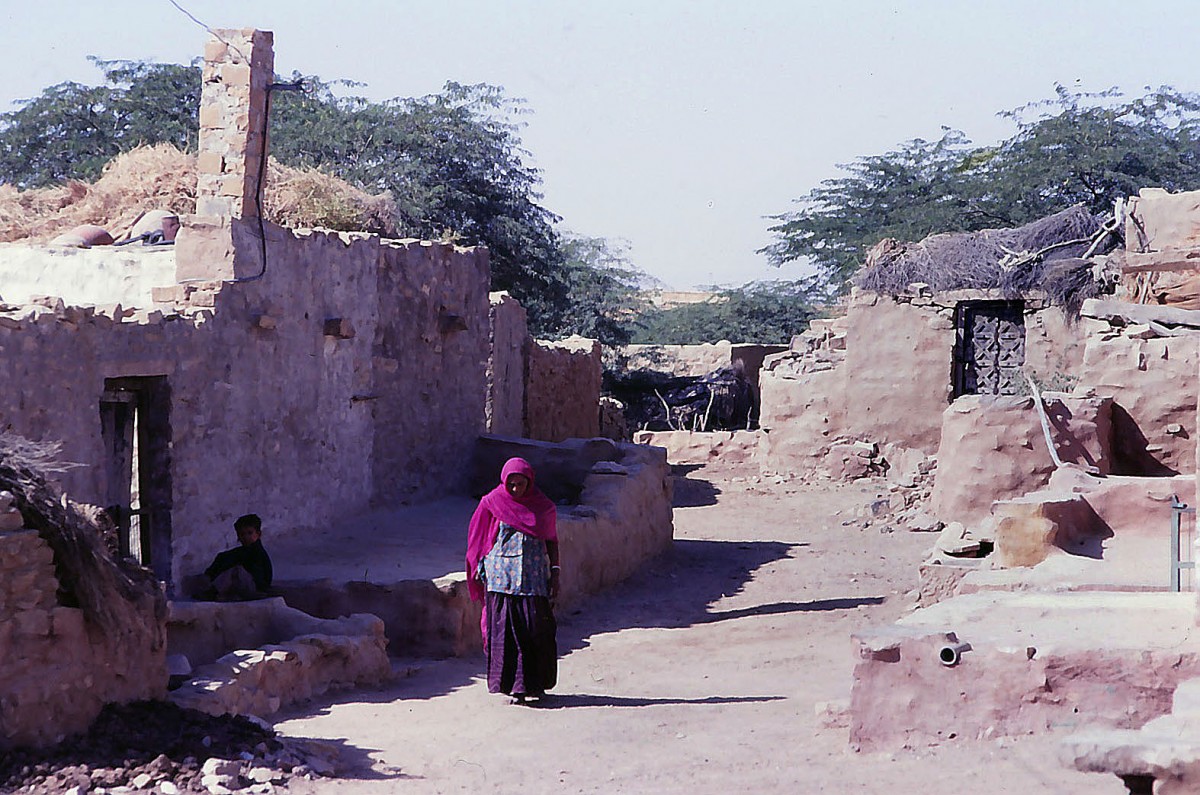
x=239, y=66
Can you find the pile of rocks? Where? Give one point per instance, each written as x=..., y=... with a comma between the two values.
x=153, y=746
x=820, y=347
x=908, y=475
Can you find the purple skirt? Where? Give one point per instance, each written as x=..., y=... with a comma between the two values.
x=522, y=653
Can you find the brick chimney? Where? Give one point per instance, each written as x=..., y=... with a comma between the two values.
x=239, y=65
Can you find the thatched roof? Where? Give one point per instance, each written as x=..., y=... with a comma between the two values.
x=1044, y=255
x=111, y=593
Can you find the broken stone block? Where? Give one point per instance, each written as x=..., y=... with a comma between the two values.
x=1024, y=540
x=953, y=540
x=1140, y=331
x=845, y=463
x=922, y=522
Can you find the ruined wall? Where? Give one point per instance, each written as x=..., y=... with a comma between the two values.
x=898, y=360
x=239, y=65
x=1152, y=379
x=1158, y=221
x=883, y=373
x=562, y=390
x=58, y=670
x=301, y=395
x=678, y=359
x=505, y=408
x=696, y=360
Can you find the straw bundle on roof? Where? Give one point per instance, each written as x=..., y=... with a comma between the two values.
x=1043, y=255
x=162, y=177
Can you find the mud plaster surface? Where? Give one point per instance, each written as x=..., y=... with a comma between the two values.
x=699, y=675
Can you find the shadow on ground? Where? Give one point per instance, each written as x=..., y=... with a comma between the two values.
x=674, y=591
x=565, y=700
x=692, y=492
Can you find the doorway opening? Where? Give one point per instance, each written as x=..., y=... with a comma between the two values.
x=989, y=350
x=136, y=426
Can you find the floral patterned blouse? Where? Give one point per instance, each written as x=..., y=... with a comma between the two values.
x=517, y=564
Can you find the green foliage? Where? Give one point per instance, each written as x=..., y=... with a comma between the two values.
x=1075, y=148
x=70, y=130
x=762, y=312
x=597, y=293
x=452, y=161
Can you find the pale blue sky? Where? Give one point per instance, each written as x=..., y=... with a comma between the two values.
x=675, y=125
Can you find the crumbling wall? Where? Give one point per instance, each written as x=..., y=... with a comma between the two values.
x=505, y=408
x=57, y=669
x=1149, y=369
x=254, y=658
x=698, y=360
x=562, y=390
x=349, y=370
x=883, y=373
x=1160, y=222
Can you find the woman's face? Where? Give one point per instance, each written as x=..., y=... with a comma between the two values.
x=517, y=485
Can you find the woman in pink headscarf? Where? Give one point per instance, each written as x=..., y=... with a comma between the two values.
x=512, y=566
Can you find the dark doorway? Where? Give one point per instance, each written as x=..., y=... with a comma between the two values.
x=136, y=425
x=989, y=350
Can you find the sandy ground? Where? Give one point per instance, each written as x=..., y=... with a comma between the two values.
x=699, y=675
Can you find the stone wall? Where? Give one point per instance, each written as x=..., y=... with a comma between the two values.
x=58, y=669
x=562, y=390
x=239, y=66
x=1151, y=375
x=505, y=406
x=351, y=371
x=883, y=373
x=548, y=391
x=704, y=447
x=1158, y=221
x=255, y=658
x=697, y=360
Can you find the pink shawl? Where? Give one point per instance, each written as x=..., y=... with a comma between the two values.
x=534, y=514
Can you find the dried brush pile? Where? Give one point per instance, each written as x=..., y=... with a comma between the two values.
x=162, y=177
x=1047, y=255
x=112, y=594
x=719, y=401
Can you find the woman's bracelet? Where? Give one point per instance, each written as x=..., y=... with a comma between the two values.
x=556, y=568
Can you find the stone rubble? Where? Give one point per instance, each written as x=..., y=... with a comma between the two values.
x=158, y=747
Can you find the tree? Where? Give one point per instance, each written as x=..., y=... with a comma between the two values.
x=762, y=312
x=1075, y=148
x=70, y=130
x=598, y=291
x=453, y=161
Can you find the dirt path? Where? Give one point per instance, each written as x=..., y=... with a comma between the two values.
x=699, y=675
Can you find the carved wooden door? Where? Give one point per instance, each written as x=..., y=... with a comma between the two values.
x=990, y=349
